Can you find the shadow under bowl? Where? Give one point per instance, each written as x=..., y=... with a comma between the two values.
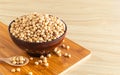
x=37, y=49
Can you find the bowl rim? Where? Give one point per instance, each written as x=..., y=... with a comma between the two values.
x=37, y=42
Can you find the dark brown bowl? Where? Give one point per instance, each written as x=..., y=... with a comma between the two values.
x=37, y=49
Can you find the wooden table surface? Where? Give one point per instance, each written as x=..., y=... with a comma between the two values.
x=94, y=24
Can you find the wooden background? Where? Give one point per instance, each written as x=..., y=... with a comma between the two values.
x=94, y=24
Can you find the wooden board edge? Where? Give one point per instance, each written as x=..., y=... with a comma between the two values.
x=74, y=65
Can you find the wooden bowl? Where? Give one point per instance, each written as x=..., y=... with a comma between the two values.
x=37, y=49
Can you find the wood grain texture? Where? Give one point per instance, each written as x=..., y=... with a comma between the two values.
x=57, y=64
x=94, y=24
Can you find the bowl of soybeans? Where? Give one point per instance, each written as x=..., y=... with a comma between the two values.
x=37, y=34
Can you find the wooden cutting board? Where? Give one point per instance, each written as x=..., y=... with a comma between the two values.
x=56, y=64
